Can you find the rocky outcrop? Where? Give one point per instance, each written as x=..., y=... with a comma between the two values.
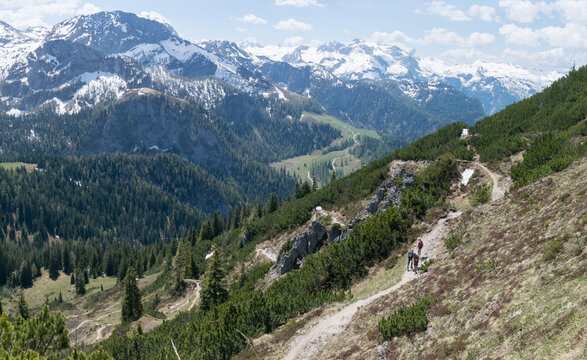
x=301, y=245
x=389, y=194
x=310, y=241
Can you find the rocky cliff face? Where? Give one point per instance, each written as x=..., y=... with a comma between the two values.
x=300, y=246
x=292, y=254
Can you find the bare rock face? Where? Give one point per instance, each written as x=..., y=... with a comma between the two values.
x=302, y=245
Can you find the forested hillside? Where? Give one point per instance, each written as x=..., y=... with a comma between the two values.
x=546, y=127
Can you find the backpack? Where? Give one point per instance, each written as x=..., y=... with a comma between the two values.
x=420, y=244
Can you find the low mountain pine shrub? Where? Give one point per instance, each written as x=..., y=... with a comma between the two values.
x=406, y=320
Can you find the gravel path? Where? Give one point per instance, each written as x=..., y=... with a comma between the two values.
x=311, y=343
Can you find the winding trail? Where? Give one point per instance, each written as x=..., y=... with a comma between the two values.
x=310, y=344
x=497, y=192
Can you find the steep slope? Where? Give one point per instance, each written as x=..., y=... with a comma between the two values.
x=15, y=45
x=512, y=289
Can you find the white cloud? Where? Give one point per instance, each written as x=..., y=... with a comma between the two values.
x=525, y=11
x=552, y=58
x=252, y=19
x=293, y=25
x=444, y=37
x=299, y=3
x=519, y=35
x=293, y=41
x=155, y=16
x=573, y=10
x=446, y=10
x=572, y=36
x=485, y=13
x=394, y=38
x=26, y=13
x=436, y=36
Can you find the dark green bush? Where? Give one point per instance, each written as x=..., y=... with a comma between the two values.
x=553, y=248
x=426, y=264
x=452, y=241
x=480, y=195
x=406, y=320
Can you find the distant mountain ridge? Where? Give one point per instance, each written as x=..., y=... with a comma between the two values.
x=97, y=58
x=496, y=85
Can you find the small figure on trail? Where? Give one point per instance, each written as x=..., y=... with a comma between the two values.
x=415, y=259
x=410, y=254
x=420, y=246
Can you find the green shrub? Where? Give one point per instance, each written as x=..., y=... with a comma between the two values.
x=553, y=248
x=480, y=195
x=426, y=264
x=584, y=219
x=406, y=320
x=452, y=241
x=286, y=247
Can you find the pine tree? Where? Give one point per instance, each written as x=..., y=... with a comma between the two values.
x=1, y=311
x=66, y=262
x=80, y=285
x=26, y=275
x=272, y=204
x=86, y=277
x=213, y=290
x=23, y=308
x=72, y=279
x=132, y=308
x=60, y=298
x=217, y=223
x=53, y=266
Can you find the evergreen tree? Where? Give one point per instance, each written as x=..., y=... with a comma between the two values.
x=194, y=270
x=217, y=223
x=272, y=204
x=236, y=216
x=132, y=308
x=60, y=298
x=314, y=183
x=1, y=311
x=26, y=275
x=213, y=289
x=72, y=279
x=23, y=308
x=86, y=277
x=80, y=285
x=206, y=232
x=53, y=266
x=66, y=262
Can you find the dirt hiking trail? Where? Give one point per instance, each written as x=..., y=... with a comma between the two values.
x=498, y=191
x=310, y=344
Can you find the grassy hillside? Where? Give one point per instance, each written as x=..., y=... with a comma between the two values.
x=510, y=289
x=354, y=149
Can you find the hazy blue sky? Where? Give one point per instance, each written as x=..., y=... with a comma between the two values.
x=538, y=34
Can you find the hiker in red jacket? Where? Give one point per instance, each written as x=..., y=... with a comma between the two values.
x=415, y=259
x=420, y=246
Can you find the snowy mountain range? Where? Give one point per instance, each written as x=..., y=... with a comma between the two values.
x=95, y=58
x=495, y=84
